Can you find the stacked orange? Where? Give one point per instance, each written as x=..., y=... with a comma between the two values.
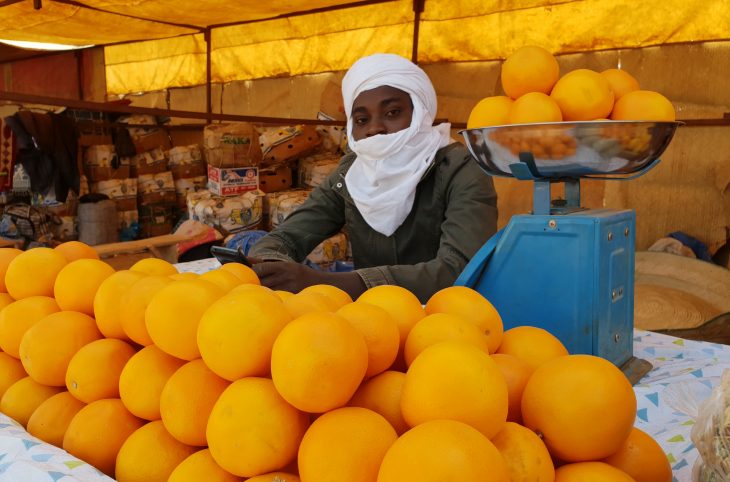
x=535, y=92
x=216, y=378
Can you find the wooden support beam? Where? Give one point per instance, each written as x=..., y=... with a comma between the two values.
x=418, y=6
x=17, y=98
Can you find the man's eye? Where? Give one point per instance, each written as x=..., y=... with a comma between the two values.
x=360, y=120
x=393, y=113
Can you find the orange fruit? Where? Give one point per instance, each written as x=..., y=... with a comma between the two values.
x=642, y=105
x=33, y=273
x=200, y=467
x=452, y=371
x=236, y=334
x=339, y=297
x=11, y=370
x=526, y=456
x=150, y=453
x=442, y=450
x=250, y=417
x=591, y=471
x=590, y=424
x=48, y=346
x=77, y=283
x=19, y=316
x=275, y=477
x=402, y=305
x=303, y=303
x=283, y=295
x=73, y=250
x=529, y=69
x=379, y=331
x=108, y=302
x=621, y=82
x=318, y=361
x=490, y=111
x=52, y=417
x=243, y=272
x=470, y=305
x=442, y=327
x=98, y=431
x=22, y=398
x=133, y=305
x=93, y=372
x=532, y=345
x=382, y=394
x=173, y=315
x=641, y=457
x=534, y=107
x=153, y=266
x=583, y=95
x=516, y=372
x=182, y=276
x=224, y=279
x=5, y=300
x=187, y=399
x=6, y=256
x=261, y=290
x=143, y=378
x=326, y=456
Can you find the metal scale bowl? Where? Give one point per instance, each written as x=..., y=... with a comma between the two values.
x=564, y=268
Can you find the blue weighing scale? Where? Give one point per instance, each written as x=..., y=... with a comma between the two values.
x=564, y=268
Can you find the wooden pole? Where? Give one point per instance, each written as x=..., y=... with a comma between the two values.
x=418, y=6
x=208, y=76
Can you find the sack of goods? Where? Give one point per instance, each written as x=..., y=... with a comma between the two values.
x=156, y=188
x=313, y=170
x=233, y=144
x=228, y=214
x=282, y=145
x=122, y=191
x=279, y=205
x=330, y=250
x=186, y=162
x=188, y=185
x=102, y=164
x=155, y=220
x=150, y=162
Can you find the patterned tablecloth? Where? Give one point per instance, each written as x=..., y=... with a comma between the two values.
x=677, y=363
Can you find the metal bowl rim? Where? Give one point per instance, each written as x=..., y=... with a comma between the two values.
x=569, y=123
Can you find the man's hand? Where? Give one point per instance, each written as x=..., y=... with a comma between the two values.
x=294, y=277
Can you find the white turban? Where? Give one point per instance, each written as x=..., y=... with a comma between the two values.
x=383, y=179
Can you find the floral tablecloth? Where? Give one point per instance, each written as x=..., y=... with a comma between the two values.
x=677, y=363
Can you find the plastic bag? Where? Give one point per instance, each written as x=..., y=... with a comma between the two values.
x=711, y=431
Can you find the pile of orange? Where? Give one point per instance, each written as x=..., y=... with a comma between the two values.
x=535, y=92
x=153, y=376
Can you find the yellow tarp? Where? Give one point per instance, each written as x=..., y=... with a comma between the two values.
x=450, y=31
x=71, y=25
x=205, y=13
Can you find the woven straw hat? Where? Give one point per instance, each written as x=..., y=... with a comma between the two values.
x=676, y=292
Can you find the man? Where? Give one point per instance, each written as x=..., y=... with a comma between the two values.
x=415, y=206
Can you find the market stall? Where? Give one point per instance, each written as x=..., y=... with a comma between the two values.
x=181, y=126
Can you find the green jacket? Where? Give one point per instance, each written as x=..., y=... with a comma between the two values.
x=453, y=215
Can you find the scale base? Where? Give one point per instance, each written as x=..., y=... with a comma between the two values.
x=635, y=369
x=572, y=275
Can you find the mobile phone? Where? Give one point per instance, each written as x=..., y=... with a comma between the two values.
x=228, y=255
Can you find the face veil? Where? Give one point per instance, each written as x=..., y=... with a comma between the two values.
x=383, y=178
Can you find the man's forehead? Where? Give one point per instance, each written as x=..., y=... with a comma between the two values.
x=380, y=94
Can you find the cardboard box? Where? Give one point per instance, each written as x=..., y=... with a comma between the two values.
x=275, y=180
x=233, y=144
x=232, y=181
x=152, y=140
x=156, y=189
